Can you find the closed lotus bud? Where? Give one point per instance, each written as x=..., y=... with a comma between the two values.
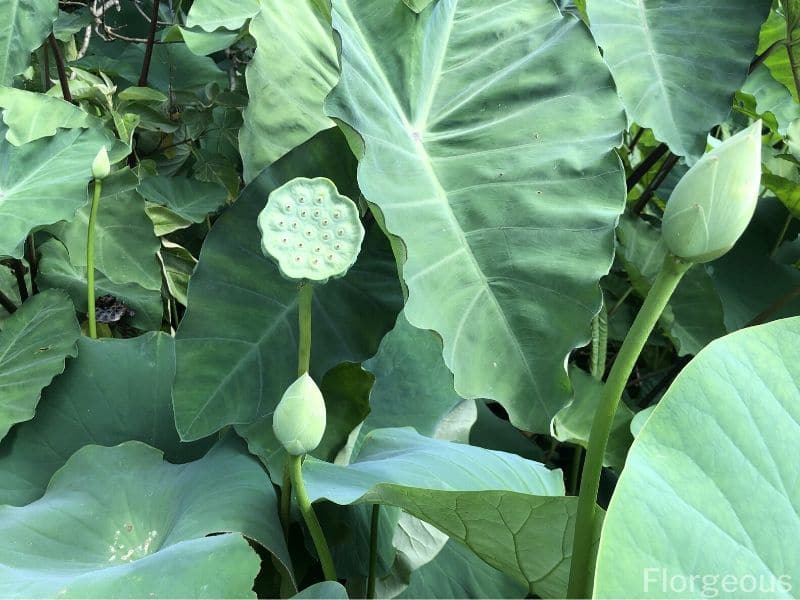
x=299, y=418
x=712, y=205
x=101, y=166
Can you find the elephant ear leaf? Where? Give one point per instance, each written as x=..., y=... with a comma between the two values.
x=505, y=202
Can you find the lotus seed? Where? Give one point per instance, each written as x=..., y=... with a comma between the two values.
x=336, y=214
x=325, y=236
x=337, y=246
x=319, y=199
x=301, y=200
x=303, y=213
x=294, y=225
x=340, y=232
x=324, y=222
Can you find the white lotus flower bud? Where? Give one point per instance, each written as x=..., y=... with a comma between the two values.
x=712, y=205
x=299, y=418
x=101, y=166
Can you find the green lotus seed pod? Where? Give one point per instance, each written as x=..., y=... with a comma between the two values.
x=310, y=230
x=101, y=166
x=713, y=203
x=299, y=418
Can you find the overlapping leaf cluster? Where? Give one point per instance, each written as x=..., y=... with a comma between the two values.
x=488, y=145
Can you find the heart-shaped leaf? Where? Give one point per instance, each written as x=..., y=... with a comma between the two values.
x=679, y=85
x=505, y=202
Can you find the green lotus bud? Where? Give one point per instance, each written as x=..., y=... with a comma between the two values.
x=712, y=205
x=299, y=418
x=101, y=166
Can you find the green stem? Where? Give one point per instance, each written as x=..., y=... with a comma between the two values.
x=782, y=234
x=286, y=500
x=314, y=528
x=305, y=296
x=373, y=550
x=671, y=273
x=574, y=473
x=90, y=294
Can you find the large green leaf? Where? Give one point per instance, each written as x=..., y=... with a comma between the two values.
x=25, y=25
x=189, y=198
x=293, y=69
x=509, y=511
x=43, y=182
x=779, y=63
x=236, y=345
x=666, y=60
x=119, y=522
x=57, y=271
x=31, y=116
x=710, y=488
x=100, y=399
x=413, y=387
x=326, y=590
x=771, y=97
x=750, y=283
x=505, y=201
x=34, y=343
x=212, y=14
x=125, y=245
x=457, y=573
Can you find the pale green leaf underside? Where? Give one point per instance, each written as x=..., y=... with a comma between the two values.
x=677, y=63
x=504, y=200
x=23, y=27
x=293, y=69
x=508, y=510
x=43, y=182
x=710, y=486
x=119, y=522
x=30, y=116
x=34, y=343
